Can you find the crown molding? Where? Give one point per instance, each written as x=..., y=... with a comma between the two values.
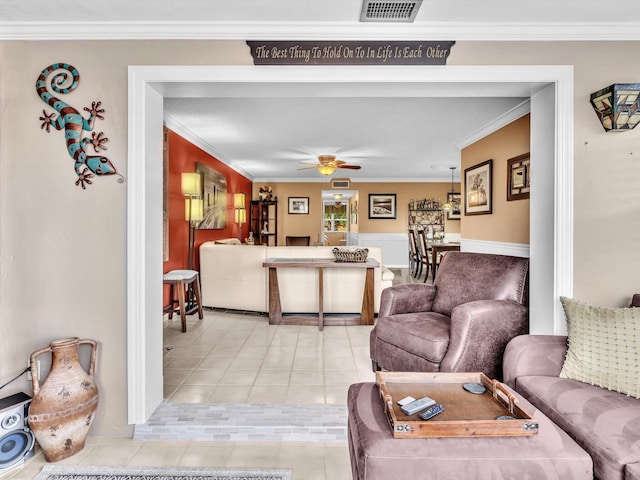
x=459, y=31
x=172, y=124
x=503, y=120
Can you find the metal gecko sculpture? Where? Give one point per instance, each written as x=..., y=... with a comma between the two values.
x=74, y=124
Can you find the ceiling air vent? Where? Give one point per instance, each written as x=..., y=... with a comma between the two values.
x=340, y=183
x=389, y=10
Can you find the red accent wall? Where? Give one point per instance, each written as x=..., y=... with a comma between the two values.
x=183, y=157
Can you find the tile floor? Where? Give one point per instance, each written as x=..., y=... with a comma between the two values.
x=235, y=357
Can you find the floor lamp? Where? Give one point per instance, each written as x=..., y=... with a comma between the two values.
x=193, y=213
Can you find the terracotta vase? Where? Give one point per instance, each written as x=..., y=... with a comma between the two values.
x=63, y=407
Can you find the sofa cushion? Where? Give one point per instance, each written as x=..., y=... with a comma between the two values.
x=605, y=423
x=424, y=334
x=604, y=346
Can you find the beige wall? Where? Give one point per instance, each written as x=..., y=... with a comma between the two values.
x=509, y=221
x=63, y=249
x=312, y=224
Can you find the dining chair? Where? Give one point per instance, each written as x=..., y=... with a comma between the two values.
x=298, y=241
x=425, y=253
x=414, y=257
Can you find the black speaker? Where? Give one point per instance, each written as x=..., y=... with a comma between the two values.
x=16, y=439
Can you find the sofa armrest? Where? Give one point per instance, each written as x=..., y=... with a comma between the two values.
x=480, y=331
x=540, y=355
x=407, y=298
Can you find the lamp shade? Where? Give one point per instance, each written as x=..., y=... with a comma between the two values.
x=241, y=215
x=191, y=183
x=238, y=200
x=618, y=106
x=197, y=209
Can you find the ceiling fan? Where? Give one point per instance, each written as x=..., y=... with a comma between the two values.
x=327, y=164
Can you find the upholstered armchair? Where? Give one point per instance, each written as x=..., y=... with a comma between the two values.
x=462, y=323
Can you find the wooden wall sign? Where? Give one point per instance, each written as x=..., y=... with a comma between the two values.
x=349, y=53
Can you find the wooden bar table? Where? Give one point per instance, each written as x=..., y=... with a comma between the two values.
x=275, y=307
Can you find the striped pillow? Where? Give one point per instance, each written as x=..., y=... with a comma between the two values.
x=604, y=346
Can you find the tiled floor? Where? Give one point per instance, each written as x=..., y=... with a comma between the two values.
x=236, y=358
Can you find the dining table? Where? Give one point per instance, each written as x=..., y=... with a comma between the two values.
x=438, y=246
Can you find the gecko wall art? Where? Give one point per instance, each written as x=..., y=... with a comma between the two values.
x=74, y=124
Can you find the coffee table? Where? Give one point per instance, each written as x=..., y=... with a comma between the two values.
x=376, y=455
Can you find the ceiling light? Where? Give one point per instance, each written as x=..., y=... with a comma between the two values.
x=449, y=204
x=326, y=169
x=337, y=196
x=618, y=106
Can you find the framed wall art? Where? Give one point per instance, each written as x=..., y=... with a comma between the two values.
x=478, y=185
x=518, y=177
x=214, y=196
x=382, y=205
x=299, y=205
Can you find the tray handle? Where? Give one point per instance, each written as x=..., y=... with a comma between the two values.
x=499, y=390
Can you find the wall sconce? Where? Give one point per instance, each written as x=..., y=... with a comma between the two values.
x=618, y=106
x=241, y=212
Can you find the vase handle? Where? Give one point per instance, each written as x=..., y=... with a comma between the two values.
x=94, y=347
x=34, y=369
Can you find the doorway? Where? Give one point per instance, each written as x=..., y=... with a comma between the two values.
x=335, y=217
x=549, y=87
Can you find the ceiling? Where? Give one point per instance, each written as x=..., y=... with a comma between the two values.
x=392, y=139
x=394, y=134
x=298, y=19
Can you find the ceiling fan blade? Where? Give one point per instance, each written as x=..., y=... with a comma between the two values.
x=337, y=163
x=306, y=168
x=351, y=167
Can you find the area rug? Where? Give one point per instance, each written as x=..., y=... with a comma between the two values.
x=86, y=472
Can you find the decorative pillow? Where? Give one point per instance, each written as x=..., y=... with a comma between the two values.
x=604, y=346
x=228, y=241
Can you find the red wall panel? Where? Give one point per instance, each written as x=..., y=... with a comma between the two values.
x=183, y=157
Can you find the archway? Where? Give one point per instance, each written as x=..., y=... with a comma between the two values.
x=549, y=87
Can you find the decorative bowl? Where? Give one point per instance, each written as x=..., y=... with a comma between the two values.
x=354, y=255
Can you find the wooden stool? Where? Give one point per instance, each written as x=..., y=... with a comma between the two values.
x=183, y=278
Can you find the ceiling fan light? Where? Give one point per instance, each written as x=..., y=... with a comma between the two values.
x=326, y=169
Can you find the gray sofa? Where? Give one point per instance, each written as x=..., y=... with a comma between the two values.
x=605, y=424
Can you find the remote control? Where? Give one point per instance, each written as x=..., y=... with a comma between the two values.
x=431, y=412
x=406, y=400
x=415, y=407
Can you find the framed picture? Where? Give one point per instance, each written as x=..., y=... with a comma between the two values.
x=354, y=212
x=455, y=200
x=382, y=205
x=478, y=185
x=214, y=196
x=299, y=205
x=518, y=177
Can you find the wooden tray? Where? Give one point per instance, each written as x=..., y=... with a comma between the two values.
x=465, y=415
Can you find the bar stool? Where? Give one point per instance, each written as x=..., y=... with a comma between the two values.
x=183, y=278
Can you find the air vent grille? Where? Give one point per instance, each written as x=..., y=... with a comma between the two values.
x=389, y=10
x=340, y=183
